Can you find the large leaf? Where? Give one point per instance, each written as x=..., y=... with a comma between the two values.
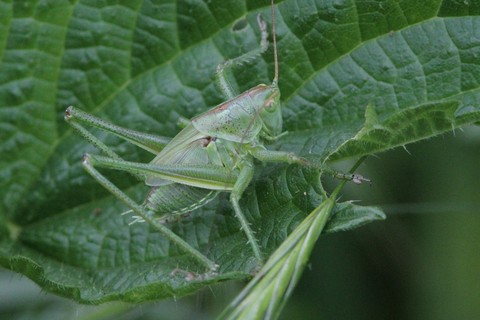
x=142, y=64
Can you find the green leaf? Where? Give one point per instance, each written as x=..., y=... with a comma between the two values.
x=348, y=216
x=143, y=64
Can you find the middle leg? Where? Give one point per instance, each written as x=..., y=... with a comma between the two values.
x=244, y=178
x=266, y=155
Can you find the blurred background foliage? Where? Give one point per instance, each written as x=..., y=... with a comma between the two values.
x=423, y=262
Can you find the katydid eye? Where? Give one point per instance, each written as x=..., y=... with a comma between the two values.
x=270, y=105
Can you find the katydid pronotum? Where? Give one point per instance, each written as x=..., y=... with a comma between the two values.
x=213, y=153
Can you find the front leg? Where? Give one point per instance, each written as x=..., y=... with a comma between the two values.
x=272, y=138
x=221, y=77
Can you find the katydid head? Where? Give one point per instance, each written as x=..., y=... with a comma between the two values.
x=270, y=111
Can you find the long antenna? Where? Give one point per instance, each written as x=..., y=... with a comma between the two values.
x=275, y=55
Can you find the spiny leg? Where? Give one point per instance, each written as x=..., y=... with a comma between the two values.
x=210, y=177
x=145, y=216
x=244, y=178
x=244, y=58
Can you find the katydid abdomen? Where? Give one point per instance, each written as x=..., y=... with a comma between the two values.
x=176, y=199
